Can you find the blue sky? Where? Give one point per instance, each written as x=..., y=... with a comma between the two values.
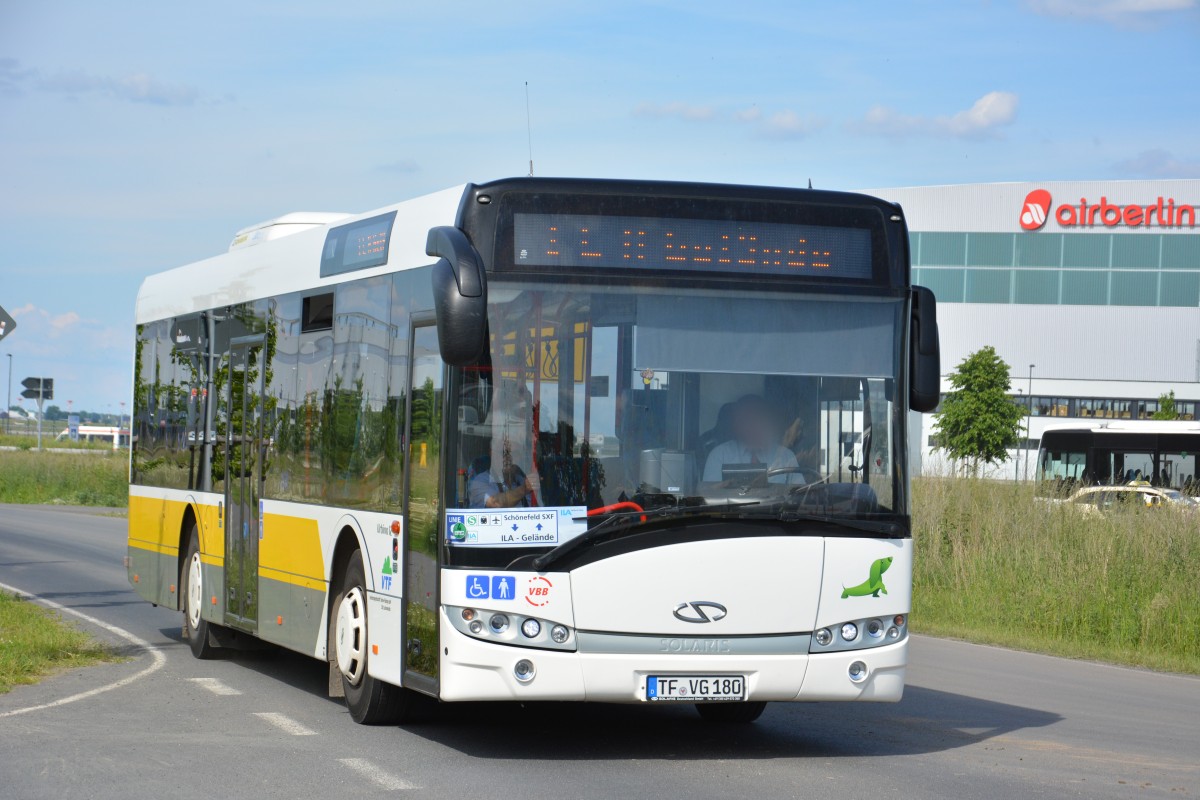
x=136, y=137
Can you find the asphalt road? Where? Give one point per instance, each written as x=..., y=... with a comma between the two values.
x=976, y=722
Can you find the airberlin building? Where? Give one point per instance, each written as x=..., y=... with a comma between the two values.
x=1089, y=290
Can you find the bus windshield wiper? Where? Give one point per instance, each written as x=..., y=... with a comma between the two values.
x=613, y=523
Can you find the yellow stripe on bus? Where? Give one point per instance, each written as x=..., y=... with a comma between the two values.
x=292, y=545
x=155, y=524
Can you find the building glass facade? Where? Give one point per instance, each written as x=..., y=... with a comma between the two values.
x=1115, y=269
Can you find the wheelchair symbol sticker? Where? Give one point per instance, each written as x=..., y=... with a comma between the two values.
x=477, y=587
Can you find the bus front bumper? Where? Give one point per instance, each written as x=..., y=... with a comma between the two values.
x=472, y=669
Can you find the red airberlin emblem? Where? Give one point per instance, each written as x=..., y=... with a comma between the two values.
x=1036, y=210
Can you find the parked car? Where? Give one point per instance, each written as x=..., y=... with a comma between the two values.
x=1103, y=499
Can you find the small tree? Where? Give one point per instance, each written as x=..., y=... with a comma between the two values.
x=1166, y=407
x=979, y=422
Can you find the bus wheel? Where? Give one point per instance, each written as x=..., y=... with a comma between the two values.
x=191, y=590
x=731, y=713
x=371, y=701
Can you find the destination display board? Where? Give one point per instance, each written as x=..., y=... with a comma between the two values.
x=695, y=245
x=357, y=245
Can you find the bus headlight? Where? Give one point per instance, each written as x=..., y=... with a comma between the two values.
x=859, y=634
x=500, y=628
x=857, y=672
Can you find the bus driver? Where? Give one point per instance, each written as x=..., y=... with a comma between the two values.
x=753, y=443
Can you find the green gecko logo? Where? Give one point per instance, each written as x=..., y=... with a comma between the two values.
x=872, y=585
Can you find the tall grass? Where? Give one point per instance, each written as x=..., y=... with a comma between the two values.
x=91, y=479
x=35, y=641
x=994, y=564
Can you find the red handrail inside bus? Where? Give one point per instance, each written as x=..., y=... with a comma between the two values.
x=627, y=505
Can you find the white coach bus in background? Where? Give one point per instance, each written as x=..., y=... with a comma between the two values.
x=117, y=438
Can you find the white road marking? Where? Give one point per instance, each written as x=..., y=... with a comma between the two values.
x=158, y=658
x=377, y=776
x=214, y=686
x=285, y=723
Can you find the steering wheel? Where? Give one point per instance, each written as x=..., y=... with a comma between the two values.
x=762, y=480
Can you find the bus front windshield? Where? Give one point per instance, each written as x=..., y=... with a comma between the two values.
x=673, y=399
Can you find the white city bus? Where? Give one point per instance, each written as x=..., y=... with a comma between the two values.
x=111, y=435
x=1158, y=452
x=544, y=439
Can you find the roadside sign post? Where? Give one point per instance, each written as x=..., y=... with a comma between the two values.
x=7, y=326
x=41, y=390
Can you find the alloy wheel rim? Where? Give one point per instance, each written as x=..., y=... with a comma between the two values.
x=195, y=596
x=350, y=636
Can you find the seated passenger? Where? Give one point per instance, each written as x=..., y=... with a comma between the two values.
x=514, y=490
x=753, y=443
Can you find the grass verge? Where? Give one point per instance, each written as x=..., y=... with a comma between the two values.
x=997, y=566
x=83, y=480
x=35, y=642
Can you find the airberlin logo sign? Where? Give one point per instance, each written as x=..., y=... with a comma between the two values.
x=1164, y=213
x=1036, y=211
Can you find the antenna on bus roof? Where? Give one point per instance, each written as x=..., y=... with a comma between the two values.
x=529, y=129
x=810, y=183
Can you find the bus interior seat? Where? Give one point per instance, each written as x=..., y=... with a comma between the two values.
x=561, y=478
x=721, y=431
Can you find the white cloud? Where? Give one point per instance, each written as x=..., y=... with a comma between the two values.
x=64, y=322
x=1118, y=12
x=675, y=109
x=40, y=323
x=790, y=125
x=138, y=87
x=993, y=110
x=990, y=111
x=786, y=124
x=1159, y=163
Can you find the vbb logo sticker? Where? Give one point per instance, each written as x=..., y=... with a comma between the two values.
x=538, y=593
x=1036, y=210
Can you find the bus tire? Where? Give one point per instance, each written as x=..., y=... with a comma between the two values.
x=191, y=597
x=731, y=713
x=370, y=701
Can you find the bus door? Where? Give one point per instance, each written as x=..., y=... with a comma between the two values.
x=422, y=503
x=244, y=451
